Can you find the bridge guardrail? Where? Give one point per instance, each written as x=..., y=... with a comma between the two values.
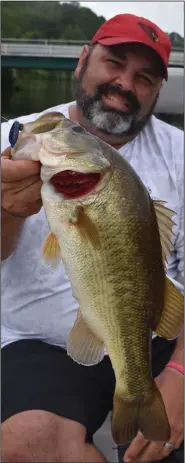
x=46, y=41
x=49, y=50
x=62, y=42
x=63, y=50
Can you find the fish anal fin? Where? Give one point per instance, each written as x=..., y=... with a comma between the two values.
x=165, y=225
x=87, y=229
x=140, y=414
x=51, y=253
x=83, y=346
x=172, y=319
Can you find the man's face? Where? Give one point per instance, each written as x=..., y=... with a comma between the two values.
x=118, y=87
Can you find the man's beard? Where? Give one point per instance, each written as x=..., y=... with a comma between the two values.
x=109, y=120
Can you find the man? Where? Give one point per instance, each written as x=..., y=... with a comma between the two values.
x=51, y=406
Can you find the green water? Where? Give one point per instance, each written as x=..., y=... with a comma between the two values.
x=28, y=91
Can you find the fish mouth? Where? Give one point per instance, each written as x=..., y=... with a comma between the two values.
x=73, y=184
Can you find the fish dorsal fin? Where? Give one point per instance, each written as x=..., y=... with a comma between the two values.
x=172, y=319
x=51, y=253
x=165, y=225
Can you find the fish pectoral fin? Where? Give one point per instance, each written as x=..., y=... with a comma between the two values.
x=172, y=319
x=165, y=225
x=83, y=346
x=51, y=253
x=87, y=229
x=145, y=415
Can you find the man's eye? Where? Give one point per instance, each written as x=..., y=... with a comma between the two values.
x=116, y=63
x=146, y=79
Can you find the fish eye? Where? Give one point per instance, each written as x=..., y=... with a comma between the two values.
x=78, y=129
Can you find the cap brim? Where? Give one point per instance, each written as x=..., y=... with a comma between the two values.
x=118, y=40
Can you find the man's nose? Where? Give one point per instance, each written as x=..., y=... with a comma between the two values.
x=126, y=81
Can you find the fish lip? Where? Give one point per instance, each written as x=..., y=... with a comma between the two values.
x=75, y=184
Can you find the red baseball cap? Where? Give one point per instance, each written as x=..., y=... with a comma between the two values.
x=126, y=28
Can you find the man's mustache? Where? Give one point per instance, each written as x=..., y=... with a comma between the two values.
x=128, y=94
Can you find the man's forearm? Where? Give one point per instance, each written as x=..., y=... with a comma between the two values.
x=10, y=231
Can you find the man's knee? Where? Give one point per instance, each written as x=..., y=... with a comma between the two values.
x=37, y=436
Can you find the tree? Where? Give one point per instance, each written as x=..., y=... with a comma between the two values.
x=48, y=20
x=176, y=40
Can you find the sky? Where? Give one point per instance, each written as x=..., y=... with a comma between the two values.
x=169, y=16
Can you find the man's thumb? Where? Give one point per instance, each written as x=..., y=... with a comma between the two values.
x=7, y=153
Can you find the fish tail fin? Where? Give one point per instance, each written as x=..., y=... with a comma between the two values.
x=147, y=415
x=124, y=426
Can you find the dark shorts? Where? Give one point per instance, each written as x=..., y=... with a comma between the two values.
x=36, y=375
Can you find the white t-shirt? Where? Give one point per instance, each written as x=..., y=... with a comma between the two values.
x=37, y=302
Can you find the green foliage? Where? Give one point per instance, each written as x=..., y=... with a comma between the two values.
x=48, y=20
x=54, y=20
x=176, y=40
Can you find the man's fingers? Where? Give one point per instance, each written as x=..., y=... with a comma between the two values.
x=16, y=170
x=174, y=441
x=22, y=184
x=26, y=195
x=34, y=208
x=33, y=192
x=21, y=203
x=156, y=451
x=135, y=447
x=152, y=452
x=179, y=441
x=7, y=153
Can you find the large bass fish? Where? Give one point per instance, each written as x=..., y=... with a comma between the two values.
x=114, y=241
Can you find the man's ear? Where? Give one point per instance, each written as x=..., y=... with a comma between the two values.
x=84, y=53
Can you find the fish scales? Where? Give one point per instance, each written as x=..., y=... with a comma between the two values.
x=105, y=281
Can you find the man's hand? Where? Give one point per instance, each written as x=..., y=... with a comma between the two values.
x=20, y=186
x=171, y=385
